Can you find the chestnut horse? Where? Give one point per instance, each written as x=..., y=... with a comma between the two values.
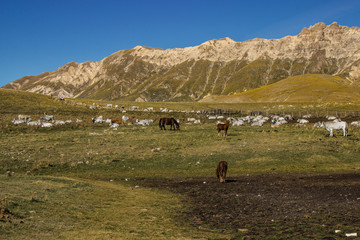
x=222, y=126
x=120, y=122
x=221, y=171
x=169, y=121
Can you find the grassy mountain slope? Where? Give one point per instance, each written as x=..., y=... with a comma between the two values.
x=14, y=101
x=132, y=78
x=302, y=88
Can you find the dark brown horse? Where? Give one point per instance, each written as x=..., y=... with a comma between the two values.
x=169, y=121
x=221, y=171
x=222, y=126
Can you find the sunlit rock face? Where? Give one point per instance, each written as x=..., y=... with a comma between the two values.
x=220, y=66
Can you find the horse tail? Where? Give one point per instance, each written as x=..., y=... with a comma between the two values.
x=160, y=122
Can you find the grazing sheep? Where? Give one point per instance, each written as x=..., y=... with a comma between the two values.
x=302, y=121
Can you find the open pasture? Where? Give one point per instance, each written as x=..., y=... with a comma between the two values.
x=87, y=181
x=99, y=164
x=138, y=151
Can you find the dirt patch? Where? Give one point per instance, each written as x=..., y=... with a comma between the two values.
x=271, y=206
x=5, y=214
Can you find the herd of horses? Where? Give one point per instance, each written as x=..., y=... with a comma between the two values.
x=174, y=125
x=222, y=165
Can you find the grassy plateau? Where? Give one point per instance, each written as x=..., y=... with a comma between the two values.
x=81, y=180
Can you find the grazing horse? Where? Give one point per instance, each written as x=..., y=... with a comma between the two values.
x=221, y=171
x=169, y=121
x=330, y=126
x=222, y=126
x=119, y=121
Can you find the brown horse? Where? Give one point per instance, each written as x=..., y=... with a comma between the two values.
x=222, y=126
x=169, y=121
x=119, y=121
x=221, y=171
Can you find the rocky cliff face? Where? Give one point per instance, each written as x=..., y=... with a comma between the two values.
x=221, y=66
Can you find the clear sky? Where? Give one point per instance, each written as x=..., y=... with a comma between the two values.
x=39, y=36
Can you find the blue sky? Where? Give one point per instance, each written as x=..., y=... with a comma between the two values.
x=39, y=36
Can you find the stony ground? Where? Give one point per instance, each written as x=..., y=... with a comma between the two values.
x=271, y=206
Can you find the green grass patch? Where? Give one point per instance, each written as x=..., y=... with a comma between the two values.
x=45, y=207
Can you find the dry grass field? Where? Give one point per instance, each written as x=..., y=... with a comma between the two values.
x=88, y=181
x=314, y=88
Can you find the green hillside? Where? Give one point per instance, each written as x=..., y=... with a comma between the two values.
x=301, y=88
x=14, y=101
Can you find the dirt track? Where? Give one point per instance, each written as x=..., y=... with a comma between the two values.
x=278, y=206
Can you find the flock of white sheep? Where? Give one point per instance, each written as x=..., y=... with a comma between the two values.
x=332, y=123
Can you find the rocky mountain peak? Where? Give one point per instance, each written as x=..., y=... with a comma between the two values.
x=318, y=27
x=219, y=42
x=321, y=29
x=218, y=66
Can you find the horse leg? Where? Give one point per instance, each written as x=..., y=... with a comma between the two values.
x=222, y=179
x=224, y=175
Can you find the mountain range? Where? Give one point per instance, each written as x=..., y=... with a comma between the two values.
x=217, y=67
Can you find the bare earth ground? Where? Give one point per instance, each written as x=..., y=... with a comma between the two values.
x=271, y=206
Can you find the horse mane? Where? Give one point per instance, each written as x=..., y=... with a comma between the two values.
x=176, y=122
